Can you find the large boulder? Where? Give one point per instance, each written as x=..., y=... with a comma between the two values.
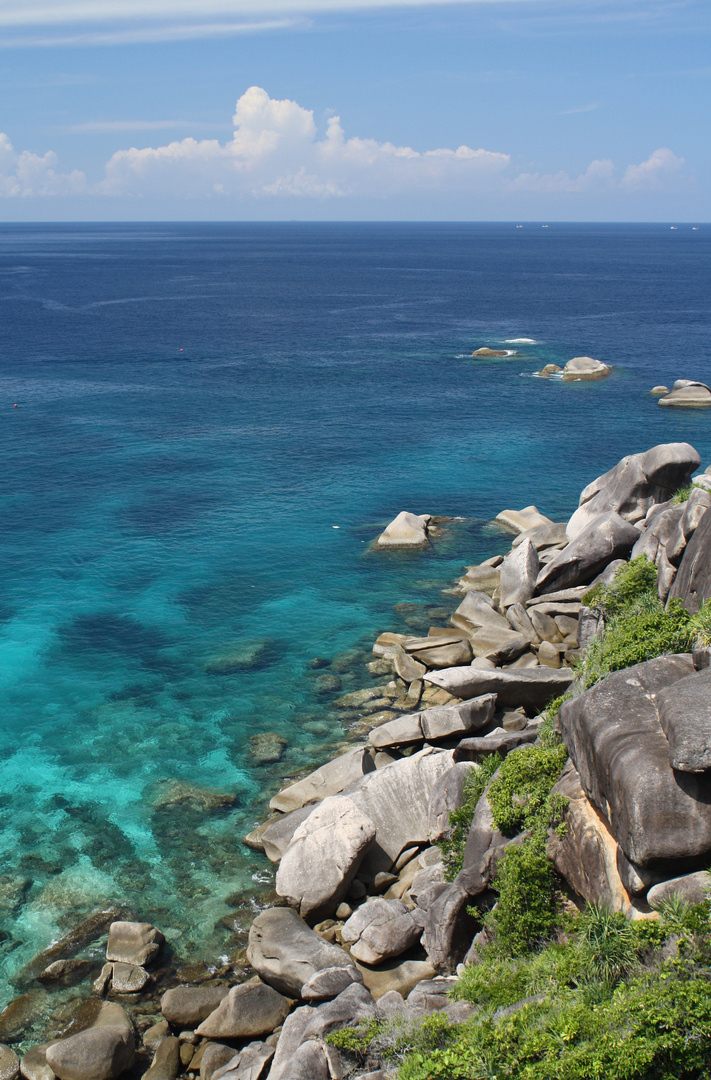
x=532, y=688
x=543, y=536
x=523, y=520
x=334, y=776
x=407, y=530
x=585, y=853
x=379, y=930
x=395, y=799
x=692, y=584
x=100, y=1052
x=321, y=861
x=657, y=534
x=584, y=367
x=286, y=953
x=475, y=611
x=133, y=943
x=248, y=1010
x=440, y=651
x=277, y=834
x=659, y=817
x=685, y=715
x=498, y=741
x=9, y=1063
x=518, y=574
x=635, y=484
x=686, y=394
x=251, y=1063
x=446, y=796
x=693, y=888
x=604, y=538
x=437, y=722
x=188, y=1006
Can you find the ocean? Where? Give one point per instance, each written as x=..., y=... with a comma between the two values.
x=204, y=427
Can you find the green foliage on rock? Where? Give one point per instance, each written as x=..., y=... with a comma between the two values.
x=518, y=796
x=460, y=820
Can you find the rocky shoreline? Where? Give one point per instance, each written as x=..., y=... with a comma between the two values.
x=365, y=921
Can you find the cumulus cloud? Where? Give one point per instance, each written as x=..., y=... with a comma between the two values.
x=25, y=174
x=276, y=150
x=656, y=172
x=599, y=175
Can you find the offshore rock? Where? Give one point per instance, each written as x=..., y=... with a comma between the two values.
x=407, y=530
x=635, y=484
x=522, y=520
x=133, y=943
x=584, y=367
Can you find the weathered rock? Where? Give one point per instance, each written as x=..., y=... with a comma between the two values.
x=518, y=574
x=586, y=853
x=442, y=653
x=406, y=530
x=501, y=646
x=657, y=534
x=279, y=833
x=692, y=584
x=290, y=1040
x=532, y=688
x=334, y=776
x=409, y=669
x=437, y=722
x=432, y=995
x=635, y=484
x=477, y=610
x=498, y=741
x=483, y=578
x=584, y=367
x=543, y=536
x=399, y=975
x=395, y=799
x=693, y=510
x=155, y=1034
x=286, y=953
x=9, y=1064
x=133, y=943
x=128, y=978
x=251, y=1063
x=166, y=1060
x=322, y=859
x=658, y=390
x=329, y=983
x=561, y=597
x=614, y=736
x=549, y=655
x=520, y=621
x=248, y=1010
x=100, y=1052
x=188, y=1006
x=446, y=795
x=685, y=715
x=352, y=1006
x=211, y=1058
x=606, y=537
x=34, y=1064
x=491, y=352
x=268, y=746
x=690, y=396
x=379, y=930
x=520, y=521
x=65, y=972
x=693, y=888
x=449, y=928
x=544, y=625
x=308, y=1062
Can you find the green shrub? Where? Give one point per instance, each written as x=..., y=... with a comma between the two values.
x=608, y=943
x=526, y=911
x=519, y=794
x=682, y=495
x=641, y=632
x=460, y=820
x=632, y=582
x=700, y=624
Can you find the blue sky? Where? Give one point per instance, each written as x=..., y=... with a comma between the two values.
x=285, y=109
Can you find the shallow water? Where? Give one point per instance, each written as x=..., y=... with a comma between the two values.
x=199, y=406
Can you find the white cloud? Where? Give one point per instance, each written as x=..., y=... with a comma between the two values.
x=146, y=35
x=276, y=150
x=581, y=109
x=599, y=175
x=661, y=168
x=25, y=174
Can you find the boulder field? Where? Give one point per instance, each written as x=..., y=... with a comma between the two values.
x=365, y=922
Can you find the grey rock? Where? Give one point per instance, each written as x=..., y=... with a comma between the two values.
x=531, y=688
x=604, y=538
x=477, y=610
x=334, y=776
x=617, y=744
x=351, y=1007
x=483, y=849
x=523, y=520
x=409, y=669
x=590, y=625
x=693, y=888
x=248, y=1010
x=289, y=1042
x=402, y=731
x=685, y=715
x=444, y=721
x=692, y=512
x=657, y=534
x=133, y=943
x=309, y=1062
x=251, y=1063
x=498, y=741
x=499, y=646
x=398, y=974
x=379, y=930
x=446, y=795
x=427, y=884
x=518, y=574
x=432, y=995
x=562, y=596
x=449, y=928
x=635, y=879
x=329, y=983
x=543, y=536
x=286, y=953
x=278, y=834
x=213, y=1057
x=9, y=1063
x=406, y=530
x=520, y=621
x=544, y=625
x=166, y=1060
x=441, y=653
x=155, y=1034
x=395, y=799
x=688, y=395
x=188, y=1006
x=100, y=1052
x=666, y=573
x=322, y=859
x=128, y=978
x=692, y=584
x=635, y=484
x=34, y=1064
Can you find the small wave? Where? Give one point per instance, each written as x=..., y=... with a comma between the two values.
x=520, y=341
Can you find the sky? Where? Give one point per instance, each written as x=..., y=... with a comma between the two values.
x=531, y=110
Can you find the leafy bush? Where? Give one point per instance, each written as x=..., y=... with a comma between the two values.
x=632, y=582
x=519, y=794
x=641, y=632
x=460, y=820
x=701, y=625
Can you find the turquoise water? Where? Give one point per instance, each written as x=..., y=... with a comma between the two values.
x=199, y=406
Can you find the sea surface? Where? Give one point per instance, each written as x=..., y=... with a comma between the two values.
x=203, y=429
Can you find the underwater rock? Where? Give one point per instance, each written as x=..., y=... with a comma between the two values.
x=176, y=792
x=267, y=747
x=245, y=655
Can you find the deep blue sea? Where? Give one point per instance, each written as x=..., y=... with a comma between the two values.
x=213, y=422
